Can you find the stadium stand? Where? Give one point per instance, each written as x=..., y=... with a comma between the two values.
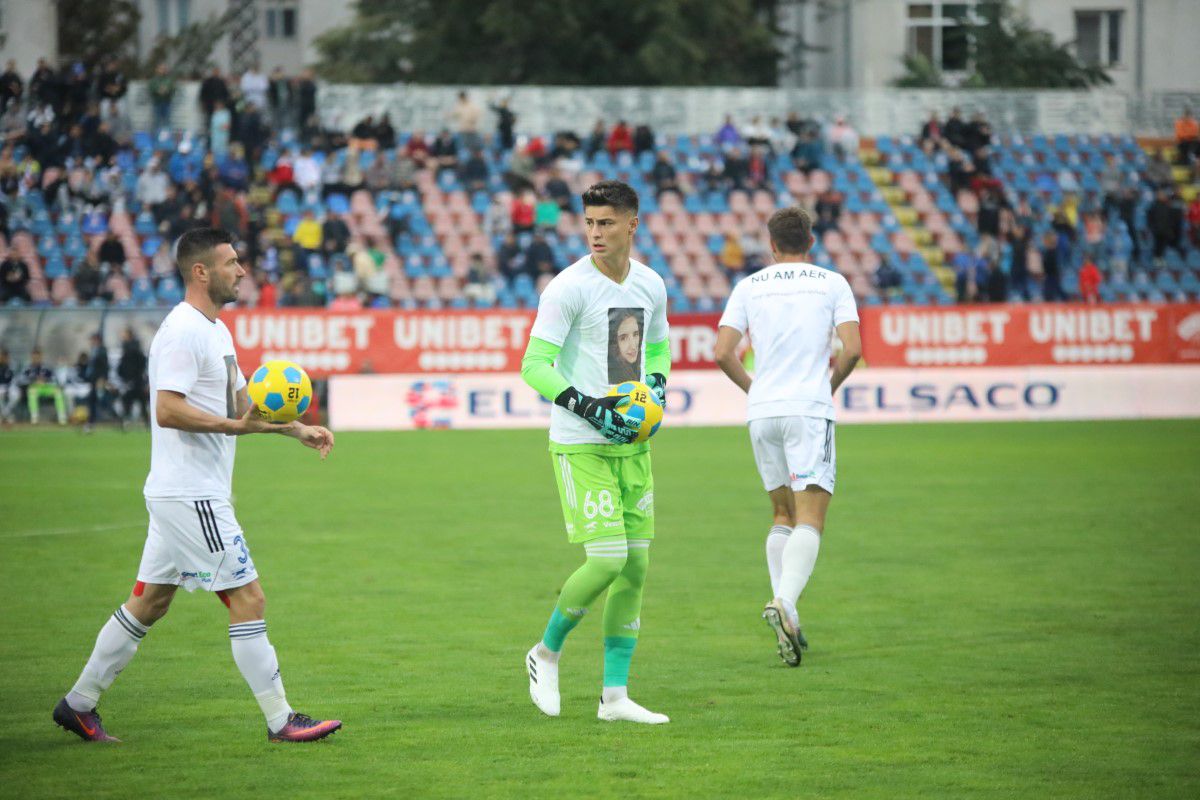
x=356, y=224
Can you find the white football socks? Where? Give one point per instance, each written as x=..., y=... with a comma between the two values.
x=611, y=694
x=777, y=539
x=799, y=557
x=115, y=645
x=255, y=657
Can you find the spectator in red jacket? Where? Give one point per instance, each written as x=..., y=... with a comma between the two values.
x=1193, y=218
x=620, y=139
x=1090, y=279
x=523, y=212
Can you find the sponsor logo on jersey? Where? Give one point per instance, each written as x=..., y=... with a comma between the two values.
x=646, y=504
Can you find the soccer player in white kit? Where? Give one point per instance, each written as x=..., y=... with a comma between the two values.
x=788, y=310
x=194, y=540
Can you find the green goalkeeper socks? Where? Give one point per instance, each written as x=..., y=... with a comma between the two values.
x=622, y=614
x=621, y=568
x=605, y=559
x=618, y=655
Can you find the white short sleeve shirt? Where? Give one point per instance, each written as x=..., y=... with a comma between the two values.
x=602, y=327
x=194, y=356
x=788, y=311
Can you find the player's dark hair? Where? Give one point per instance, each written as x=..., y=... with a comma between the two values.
x=617, y=194
x=197, y=245
x=791, y=230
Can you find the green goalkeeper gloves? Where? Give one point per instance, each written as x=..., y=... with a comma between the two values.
x=601, y=413
x=658, y=384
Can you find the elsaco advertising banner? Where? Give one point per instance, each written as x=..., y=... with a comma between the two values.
x=466, y=401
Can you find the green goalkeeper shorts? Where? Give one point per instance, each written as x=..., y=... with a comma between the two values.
x=605, y=495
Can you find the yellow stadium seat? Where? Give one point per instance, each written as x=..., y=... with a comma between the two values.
x=905, y=215
x=880, y=175
x=1189, y=193
x=1181, y=174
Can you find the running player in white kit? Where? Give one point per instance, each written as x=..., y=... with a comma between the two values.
x=194, y=540
x=788, y=310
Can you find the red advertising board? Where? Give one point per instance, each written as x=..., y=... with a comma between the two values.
x=1019, y=335
x=494, y=341
x=382, y=341
x=420, y=341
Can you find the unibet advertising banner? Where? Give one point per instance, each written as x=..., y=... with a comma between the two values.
x=459, y=342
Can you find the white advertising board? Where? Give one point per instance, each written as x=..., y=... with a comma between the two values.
x=407, y=402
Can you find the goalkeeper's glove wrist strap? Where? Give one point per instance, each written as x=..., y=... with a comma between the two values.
x=572, y=400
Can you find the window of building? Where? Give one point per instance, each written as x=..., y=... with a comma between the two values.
x=934, y=31
x=183, y=13
x=1098, y=37
x=164, y=17
x=280, y=20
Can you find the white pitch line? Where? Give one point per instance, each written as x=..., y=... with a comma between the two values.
x=112, y=526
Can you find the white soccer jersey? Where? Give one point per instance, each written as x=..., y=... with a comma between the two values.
x=787, y=310
x=194, y=356
x=602, y=327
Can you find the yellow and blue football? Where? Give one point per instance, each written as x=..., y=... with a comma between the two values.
x=281, y=390
x=641, y=404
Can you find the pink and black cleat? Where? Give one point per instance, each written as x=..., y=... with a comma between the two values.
x=302, y=728
x=84, y=724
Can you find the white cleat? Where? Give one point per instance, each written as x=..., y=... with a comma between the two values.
x=791, y=641
x=625, y=710
x=543, y=683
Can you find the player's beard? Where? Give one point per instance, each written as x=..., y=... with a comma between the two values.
x=223, y=295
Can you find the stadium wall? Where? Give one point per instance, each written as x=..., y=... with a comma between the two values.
x=459, y=369
x=542, y=109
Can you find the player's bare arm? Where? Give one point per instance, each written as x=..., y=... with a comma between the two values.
x=317, y=437
x=851, y=352
x=726, y=356
x=172, y=410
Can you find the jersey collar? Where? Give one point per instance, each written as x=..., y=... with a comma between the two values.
x=628, y=271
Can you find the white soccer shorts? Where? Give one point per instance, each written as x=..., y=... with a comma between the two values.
x=196, y=544
x=796, y=451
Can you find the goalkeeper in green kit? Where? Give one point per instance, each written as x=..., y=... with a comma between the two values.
x=600, y=322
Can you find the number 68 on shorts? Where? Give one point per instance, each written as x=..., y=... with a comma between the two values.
x=605, y=496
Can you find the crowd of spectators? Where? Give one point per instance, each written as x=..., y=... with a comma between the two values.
x=67, y=137
x=1027, y=245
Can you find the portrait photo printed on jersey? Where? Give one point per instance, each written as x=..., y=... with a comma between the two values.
x=626, y=327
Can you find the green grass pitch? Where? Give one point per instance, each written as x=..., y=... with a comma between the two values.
x=1005, y=610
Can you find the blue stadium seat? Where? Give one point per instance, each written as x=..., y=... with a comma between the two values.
x=145, y=225
x=337, y=203
x=169, y=291
x=141, y=292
